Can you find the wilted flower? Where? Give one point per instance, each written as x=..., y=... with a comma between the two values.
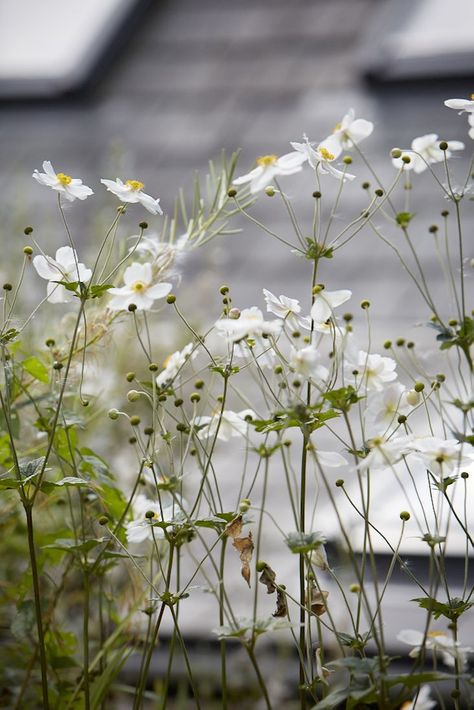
x=250, y=324
x=132, y=191
x=71, y=188
x=139, y=289
x=438, y=642
x=65, y=267
x=424, y=151
x=174, y=363
x=227, y=424
x=268, y=167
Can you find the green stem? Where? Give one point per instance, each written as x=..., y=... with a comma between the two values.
x=260, y=679
x=85, y=640
x=221, y=622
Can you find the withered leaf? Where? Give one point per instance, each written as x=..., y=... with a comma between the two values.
x=245, y=546
x=267, y=578
x=234, y=528
x=281, y=607
x=317, y=601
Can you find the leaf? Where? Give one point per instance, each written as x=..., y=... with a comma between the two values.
x=24, y=621
x=36, y=369
x=403, y=219
x=452, y=610
x=267, y=578
x=317, y=600
x=9, y=336
x=301, y=543
x=71, y=546
x=245, y=547
x=30, y=469
x=99, y=289
x=281, y=605
x=48, y=486
x=234, y=528
x=413, y=680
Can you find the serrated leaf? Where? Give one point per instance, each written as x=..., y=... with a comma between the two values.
x=452, y=610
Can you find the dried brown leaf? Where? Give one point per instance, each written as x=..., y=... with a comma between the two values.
x=234, y=528
x=281, y=606
x=318, y=601
x=267, y=578
x=244, y=546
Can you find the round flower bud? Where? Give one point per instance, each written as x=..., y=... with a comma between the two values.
x=132, y=440
x=231, y=192
x=387, y=345
x=452, y=322
x=113, y=413
x=58, y=365
x=171, y=298
x=379, y=192
x=464, y=475
x=143, y=225
x=347, y=317
x=103, y=520
x=405, y=515
x=148, y=430
x=27, y=230
x=401, y=419
x=354, y=588
x=278, y=369
x=245, y=504
x=406, y=159
x=269, y=191
x=149, y=515
x=135, y=420
x=441, y=377
x=7, y=287
x=433, y=228
x=347, y=160
x=445, y=213
x=410, y=345
x=340, y=482
x=130, y=376
x=364, y=305
x=396, y=153
x=419, y=387
x=224, y=290
x=50, y=343
x=132, y=307
x=234, y=314
x=85, y=402
x=181, y=427
x=28, y=250
x=296, y=334
x=365, y=185
x=296, y=384
x=317, y=195
x=195, y=397
x=260, y=566
x=153, y=367
x=133, y=395
x=413, y=398
x=400, y=342
x=162, y=398
x=199, y=384
x=443, y=145
x=178, y=402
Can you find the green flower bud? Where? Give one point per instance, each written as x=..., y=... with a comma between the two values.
x=28, y=250
x=405, y=515
x=28, y=230
x=143, y=225
x=379, y=192
x=133, y=395
x=130, y=376
x=340, y=482
x=269, y=191
x=419, y=387
x=135, y=420
x=396, y=153
x=347, y=160
x=231, y=192
x=317, y=195
x=132, y=307
x=170, y=298
x=443, y=145
x=113, y=414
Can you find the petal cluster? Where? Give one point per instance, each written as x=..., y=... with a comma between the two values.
x=71, y=188
x=64, y=267
x=138, y=289
x=132, y=191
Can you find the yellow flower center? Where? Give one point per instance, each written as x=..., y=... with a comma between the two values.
x=472, y=97
x=138, y=286
x=337, y=127
x=266, y=160
x=434, y=634
x=135, y=185
x=167, y=361
x=64, y=179
x=326, y=154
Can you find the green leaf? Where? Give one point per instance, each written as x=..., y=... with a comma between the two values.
x=30, y=469
x=301, y=543
x=71, y=546
x=333, y=700
x=9, y=335
x=404, y=218
x=452, y=610
x=343, y=398
x=24, y=621
x=48, y=486
x=36, y=369
x=413, y=680
x=99, y=289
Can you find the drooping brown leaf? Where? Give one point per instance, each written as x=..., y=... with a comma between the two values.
x=244, y=546
x=267, y=578
x=281, y=606
x=234, y=528
x=317, y=600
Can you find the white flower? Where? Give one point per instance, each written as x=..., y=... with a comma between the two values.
x=464, y=106
x=422, y=701
x=322, y=156
x=268, y=167
x=139, y=289
x=164, y=254
x=288, y=309
x=71, y=188
x=65, y=267
x=322, y=672
x=350, y=131
x=373, y=370
x=231, y=424
x=142, y=528
x=306, y=362
x=325, y=302
x=384, y=407
x=174, y=363
x=438, y=642
x=250, y=324
x=386, y=451
x=425, y=151
x=330, y=459
x=132, y=191
x=442, y=456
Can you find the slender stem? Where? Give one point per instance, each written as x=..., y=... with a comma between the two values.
x=221, y=622
x=85, y=640
x=39, y=618
x=261, y=682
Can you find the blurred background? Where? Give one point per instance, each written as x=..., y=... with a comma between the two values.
x=152, y=89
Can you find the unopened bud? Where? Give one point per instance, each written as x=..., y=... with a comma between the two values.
x=396, y=153
x=133, y=395
x=413, y=398
x=234, y=314
x=113, y=413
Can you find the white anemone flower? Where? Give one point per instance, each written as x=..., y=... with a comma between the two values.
x=330, y=459
x=421, y=701
x=325, y=302
x=321, y=156
x=268, y=167
x=64, y=267
x=174, y=363
x=288, y=309
x=250, y=324
x=385, y=406
x=385, y=452
x=306, y=362
x=442, y=456
x=464, y=106
x=226, y=425
x=438, y=642
x=132, y=191
x=350, y=131
x=141, y=528
x=373, y=370
x=139, y=289
x=425, y=151
x=71, y=188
